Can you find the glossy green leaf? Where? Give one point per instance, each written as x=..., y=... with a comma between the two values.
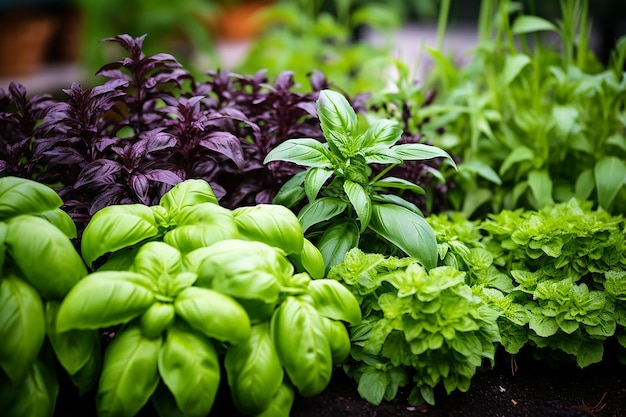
x=192, y=237
x=610, y=175
x=245, y=269
x=540, y=184
x=104, y=299
x=254, y=371
x=315, y=180
x=309, y=260
x=302, y=346
x=187, y=194
x=22, y=196
x=129, y=374
x=399, y=183
x=189, y=366
x=116, y=227
x=333, y=300
x=157, y=260
x=306, y=152
x=360, y=200
x=528, y=24
x=281, y=403
x=214, y=314
x=292, y=192
x=338, y=338
x=407, y=230
x=207, y=214
x=37, y=394
x=58, y=265
x=62, y=221
x=335, y=114
x=87, y=377
x=420, y=151
x=336, y=241
x=320, y=210
x=156, y=319
x=74, y=348
x=381, y=155
x=274, y=225
x=382, y=133
x=23, y=326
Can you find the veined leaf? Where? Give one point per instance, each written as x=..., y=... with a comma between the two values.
x=185, y=194
x=23, y=196
x=105, y=298
x=399, y=183
x=254, y=371
x=336, y=114
x=214, y=314
x=333, y=300
x=157, y=259
x=115, y=227
x=271, y=224
x=306, y=152
x=360, y=200
x=320, y=210
x=314, y=181
x=337, y=240
x=62, y=221
x=420, y=151
x=309, y=260
x=382, y=133
x=292, y=192
x=129, y=374
x=23, y=326
x=407, y=230
x=189, y=366
x=381, y=155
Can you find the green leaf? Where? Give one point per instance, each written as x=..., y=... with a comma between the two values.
x=336, y=114
x=481, y=169
x=336, y=241
x=338, y=338
x=610, y=175
x=105, y=298
x=407, y=230
x=302, y=346
x=519, y=154
x=157, y=260
x=274, y=225
x=58, y=266
x=281, y=403
x=399, y=183
x=214, y=314
x=320, y=210
x=187, y=194
x=420, y=151
x=37, y=394
x=309, y=260
x=116, y=227
x=62, y=221
x=257, y=275
x=384, y=133
x=22, y=196
x=373, y=384
x=189, y=366
x=315, y=180
x=540, y=184
x=129, y=374
x=292, y=192
x=513, y=66
x=542, y=325
x=156, y=319
x=75, y=348
x=306, y=152
x=335, y=301
x=381, y=155
x=360, y=200
x=585, y=183
x=23, y=326
x=528, y=24
x=254, y=371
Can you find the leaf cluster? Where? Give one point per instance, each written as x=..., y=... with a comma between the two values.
x=425, y=326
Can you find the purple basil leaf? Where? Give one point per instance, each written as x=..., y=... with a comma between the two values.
x=163, y=175
x=100, y=172
x=225, y=143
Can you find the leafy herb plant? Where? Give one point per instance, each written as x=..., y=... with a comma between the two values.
x=344, y=199
x=428, y=327
x=194, y=286
x=38, y=266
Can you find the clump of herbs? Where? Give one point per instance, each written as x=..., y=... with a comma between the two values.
x=427, y=327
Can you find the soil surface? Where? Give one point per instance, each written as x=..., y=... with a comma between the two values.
x=535, y=389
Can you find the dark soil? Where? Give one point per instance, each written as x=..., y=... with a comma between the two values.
x=535, y=389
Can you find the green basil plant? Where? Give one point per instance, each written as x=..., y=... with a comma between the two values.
x=38, y=266
x=344, y=199
x=191, y=284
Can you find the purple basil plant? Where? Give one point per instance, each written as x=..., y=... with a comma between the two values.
x=150, y=125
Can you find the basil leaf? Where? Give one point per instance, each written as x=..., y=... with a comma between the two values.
x=320, y=210
x=360, y=200
x=382, y=133
x=309, y=260
x=129, y=374
x=306, y=152
x=315, y=180
x=274, y=225
x=335, y=114
x=336, y=241
x=187, y=194
x=21, y=196
x=333, y=300
x=36, y=395
x=189, y=366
